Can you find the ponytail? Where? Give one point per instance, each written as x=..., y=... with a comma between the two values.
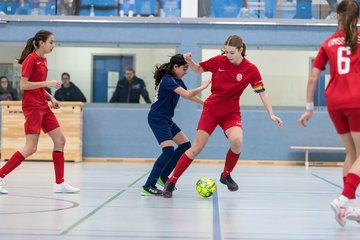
x=243, y=53
x=29, y=48
x=348, y=11
x=160, y=71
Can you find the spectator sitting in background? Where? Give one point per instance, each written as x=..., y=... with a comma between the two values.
x=69, y=91
x=129, y=89
x=6, y=90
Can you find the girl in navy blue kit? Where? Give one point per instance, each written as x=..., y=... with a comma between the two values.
x=169, y=88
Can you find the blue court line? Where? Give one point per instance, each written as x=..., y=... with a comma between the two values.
x=72, y=227
x=216, y=218
x=330, y=182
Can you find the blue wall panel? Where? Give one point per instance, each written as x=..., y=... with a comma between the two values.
x=113, y=131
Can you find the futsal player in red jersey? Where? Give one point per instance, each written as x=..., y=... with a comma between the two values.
x=231, y=74
x=342, y=51
x=38, y=114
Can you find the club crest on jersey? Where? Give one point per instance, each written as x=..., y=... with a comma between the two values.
x=239, y=77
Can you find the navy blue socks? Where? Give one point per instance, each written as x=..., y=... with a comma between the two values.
x=160, y=163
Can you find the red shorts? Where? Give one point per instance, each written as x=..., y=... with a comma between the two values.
x=37, y=119
x=209, y=121
x=346, y=120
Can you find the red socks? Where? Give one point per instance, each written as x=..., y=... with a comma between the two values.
x=15, y=160
x=58, y=159
x=183, y=163
x=230, y=162
x=351, y=184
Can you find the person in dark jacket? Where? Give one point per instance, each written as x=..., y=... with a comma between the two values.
x=69, y=91
x=6, y=91
x=129, y=89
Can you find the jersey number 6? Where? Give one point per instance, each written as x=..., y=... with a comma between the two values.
x=343, y=60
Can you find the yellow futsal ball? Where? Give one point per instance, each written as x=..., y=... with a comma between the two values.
x=205, y=187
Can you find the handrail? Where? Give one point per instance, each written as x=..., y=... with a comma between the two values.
x=168, y=20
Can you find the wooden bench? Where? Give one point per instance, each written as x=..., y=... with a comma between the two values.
x=70, y=117
x=308, y=148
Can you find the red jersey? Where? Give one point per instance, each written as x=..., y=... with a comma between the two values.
x=228, y=83
x=35, y=68
x=342, y=91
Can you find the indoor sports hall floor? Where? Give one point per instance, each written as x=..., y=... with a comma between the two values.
x=273, y=202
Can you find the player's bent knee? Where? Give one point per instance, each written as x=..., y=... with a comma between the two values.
x=237, y=142
x=60, y=142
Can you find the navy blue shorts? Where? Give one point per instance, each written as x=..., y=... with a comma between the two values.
x=163, y=129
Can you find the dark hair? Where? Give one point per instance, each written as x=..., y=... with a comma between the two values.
x=34, y=43
x=9, y=87
x=65, y=74
x=130, y=69
x=1, y=77
x=348, y=14
x=167, y=68
x=236, y=41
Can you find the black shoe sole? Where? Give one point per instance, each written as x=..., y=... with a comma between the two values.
x=229, y=188
x=167, y=194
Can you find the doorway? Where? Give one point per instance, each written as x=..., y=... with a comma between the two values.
x=107, y=70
